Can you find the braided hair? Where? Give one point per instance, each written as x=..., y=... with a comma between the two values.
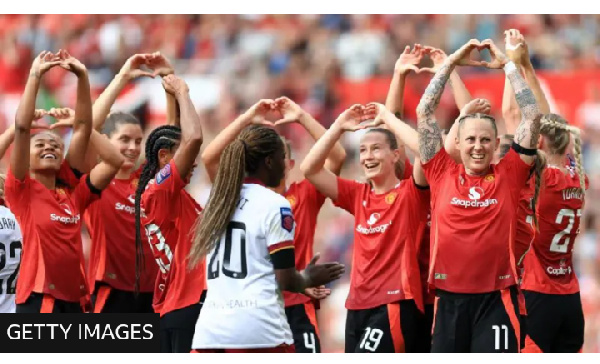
x=163, y=137
x=558, y=133
x=242, y=156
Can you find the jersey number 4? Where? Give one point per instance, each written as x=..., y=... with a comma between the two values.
x=234, y=241
x=10, y=281
x=556, y=246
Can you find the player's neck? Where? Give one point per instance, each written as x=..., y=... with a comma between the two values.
x=556, y=160
x=47, y=179
x=123, y=174
x=385, y=184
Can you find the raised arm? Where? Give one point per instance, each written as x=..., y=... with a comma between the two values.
x=254, y=115
x=407, y=62
x=19, y=161
x=313, y=165
x=8, y=136
x=481, y=106
x=462, y=96
x=528, y=131
x=162, y=67
x=381, y=115
x=292, y=112
x=191, y=128
x=82, y=127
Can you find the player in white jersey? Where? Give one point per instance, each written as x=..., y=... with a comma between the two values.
x=247, y=231
x=10, y=255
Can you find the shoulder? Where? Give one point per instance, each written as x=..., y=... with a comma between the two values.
x=266, y=195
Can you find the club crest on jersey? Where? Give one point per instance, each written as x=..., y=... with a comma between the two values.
x=390, y=198
x=135, y=183
x=292, y=200
x=163, y=174
x=287, y=219
x=489, y=178
x=61, y=191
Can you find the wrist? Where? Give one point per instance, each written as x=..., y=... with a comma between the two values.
x=509, y=67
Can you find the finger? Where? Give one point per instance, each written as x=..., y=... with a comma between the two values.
x=427, y=69
x=406, y=50
x=315, y=258
x=470, y=62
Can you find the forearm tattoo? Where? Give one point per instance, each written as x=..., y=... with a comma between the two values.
x=529, y=128
x=430, y=134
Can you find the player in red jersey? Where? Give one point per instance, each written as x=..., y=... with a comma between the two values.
x=52, y=277
x=245, y=216
x=476, y=306
x=385, y=293
x=305, y=202
x=407, y=62
x=169, y=214
x=555, y=322
x=110, y=220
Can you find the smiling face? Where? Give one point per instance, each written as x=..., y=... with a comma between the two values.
x=377, y=156
x=127, y=138
x=477, y=141
x=46, y=152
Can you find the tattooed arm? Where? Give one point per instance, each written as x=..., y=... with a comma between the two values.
x=430, y=134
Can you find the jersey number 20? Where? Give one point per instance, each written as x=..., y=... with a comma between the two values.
x=10, y=282
x=231, y=244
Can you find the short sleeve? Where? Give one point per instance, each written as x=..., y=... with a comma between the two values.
x=163, y=194
x=516, y=169
x=280, y=227
x=310, y=192
x=347, y=192
x=168, y=179
x=420, y=199
x=84, y=193
x=17, y=194
x=438, y=166
x=68, y=176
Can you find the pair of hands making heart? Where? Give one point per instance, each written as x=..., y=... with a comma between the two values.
x=287, y=109
x=47, y=60
x=410, y=59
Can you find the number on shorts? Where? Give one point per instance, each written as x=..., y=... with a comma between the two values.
x=556, y=246
x=497, y=329
x=238, y=244
x=309, y=341
x=371, y=339
x=158, y=244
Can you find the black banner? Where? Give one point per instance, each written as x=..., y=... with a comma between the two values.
x=79, y=333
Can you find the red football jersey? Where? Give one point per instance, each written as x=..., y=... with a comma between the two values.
x=170, y=216
x=306, y=203
x=384, y=260
x=474, y=224
x=423, y=256
x=548, y=265
x=111, y=223
x=525, y=224
x=52, y=259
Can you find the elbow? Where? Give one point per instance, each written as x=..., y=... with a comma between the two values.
x=196, y=138
x=307, y=169
x=422, y=111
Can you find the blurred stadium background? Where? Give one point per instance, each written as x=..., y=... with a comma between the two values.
x=325, y=63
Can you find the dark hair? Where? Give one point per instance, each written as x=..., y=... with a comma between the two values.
x=478, y=116
x=242, y=156
x=118, y=118
x=393, y=143
x=163, y=137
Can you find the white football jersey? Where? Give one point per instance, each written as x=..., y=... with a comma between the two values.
x=10, y=259
x=244, y=307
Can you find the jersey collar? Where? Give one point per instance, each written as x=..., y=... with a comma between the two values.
x=252, y=180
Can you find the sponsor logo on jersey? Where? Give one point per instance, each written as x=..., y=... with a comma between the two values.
x=560, y=271
x=373, y=229
x=440, y=276
x=373, y=218
x=127, y=208
x=475, y=195
x=65, y=220
x=287, y=218
x=66, y=208
x=163, y=174
x=390, y=198
x=489, y=178
x=292, y=200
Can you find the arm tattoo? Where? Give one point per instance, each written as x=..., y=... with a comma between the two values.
x=530, y=124
x=430, y=139
x=430, y=134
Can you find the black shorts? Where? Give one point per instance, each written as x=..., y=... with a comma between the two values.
x=555, y=323
x=390, y=328
x=43, y=303
x=476, y=323
x=107, y=299
x=177, y=328
x=303, y=322
x=424, y=330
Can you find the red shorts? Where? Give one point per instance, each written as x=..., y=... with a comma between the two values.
x=284, y=348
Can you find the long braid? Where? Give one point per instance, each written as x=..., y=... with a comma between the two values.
x=163, y=137
x=578, y=158
x=538, y=167
x=243, y=155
